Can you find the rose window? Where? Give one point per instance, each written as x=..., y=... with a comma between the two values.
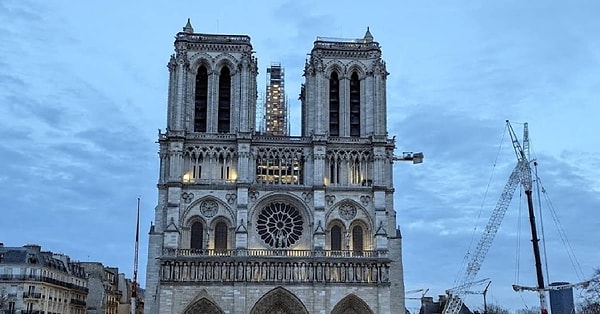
x=280, y=225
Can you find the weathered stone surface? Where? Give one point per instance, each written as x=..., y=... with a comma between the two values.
x=277, y=196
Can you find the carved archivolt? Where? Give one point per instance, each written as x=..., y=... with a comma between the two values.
x=279, y=301
x=350, y=212
x=203, y=306
x=346, y=70
x=200, y=58
x=352, y=304
x=208, y=208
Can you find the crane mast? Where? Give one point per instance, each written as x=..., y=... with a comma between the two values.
x=520, y=174
x=134, y=283
x=523, y=155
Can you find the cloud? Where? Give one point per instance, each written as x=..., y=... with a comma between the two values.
x=81, y=99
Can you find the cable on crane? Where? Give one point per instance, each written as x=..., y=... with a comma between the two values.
x=518, y=246
x=539, y=199
x=563, y=236
x=481, y=208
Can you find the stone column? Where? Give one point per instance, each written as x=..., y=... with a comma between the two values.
x=181, y=78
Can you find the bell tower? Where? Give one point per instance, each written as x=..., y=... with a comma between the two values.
x=212, y=84
x=344, y=93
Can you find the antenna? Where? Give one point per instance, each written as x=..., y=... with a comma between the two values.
x=134, y=283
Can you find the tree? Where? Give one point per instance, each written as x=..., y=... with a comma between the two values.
x=591, y=296
x=3, y=300
x=493, y=309
x=533, y=310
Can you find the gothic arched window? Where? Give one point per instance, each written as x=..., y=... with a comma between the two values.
x=357, y=239
x=336, y=238
x=221, y=236
x=224, y=111
x=197, y=236
x=201, y=100
x=354, y=105
x=334, y=105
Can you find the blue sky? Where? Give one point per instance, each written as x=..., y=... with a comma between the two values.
x=83, y=91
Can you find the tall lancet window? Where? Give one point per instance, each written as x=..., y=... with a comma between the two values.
x=336, y=238
x=354, y=105
x=197, y=241
x=221, y=236
x=357, y=239
x=201, y=100
x=224, y=113
x=334, y=105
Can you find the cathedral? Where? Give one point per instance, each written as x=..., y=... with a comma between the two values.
x=250, y=221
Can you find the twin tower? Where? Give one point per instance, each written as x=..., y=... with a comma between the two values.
x=253, y=222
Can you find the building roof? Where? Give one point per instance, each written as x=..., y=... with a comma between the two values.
x=32, y=254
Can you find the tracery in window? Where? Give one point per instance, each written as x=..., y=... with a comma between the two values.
x=201, y=100
x=279, y=225
x=226, y=168
x=349, y=167
x=279, y=165
x=204, y=164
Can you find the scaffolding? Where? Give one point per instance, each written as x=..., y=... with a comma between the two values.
x=276, y=111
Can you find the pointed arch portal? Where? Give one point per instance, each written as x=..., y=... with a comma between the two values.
x=203, y=306
x=279, y=301
x=352, y=304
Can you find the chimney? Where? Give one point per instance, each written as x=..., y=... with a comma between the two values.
x=34, y=247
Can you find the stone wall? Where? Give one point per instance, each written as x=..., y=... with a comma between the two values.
x=239, y=298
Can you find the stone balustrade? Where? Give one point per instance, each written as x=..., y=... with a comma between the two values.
x=289, y=272
x=275, y=253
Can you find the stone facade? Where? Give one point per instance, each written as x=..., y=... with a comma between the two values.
x=257, y=223
x=104, y=293
x=35, y=281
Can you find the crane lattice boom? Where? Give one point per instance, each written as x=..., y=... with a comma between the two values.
x=455, y=300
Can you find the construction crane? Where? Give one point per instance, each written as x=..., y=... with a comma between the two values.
x=520, y=174
x=484, y=292
x=416, y=158
x=583, y=285
x=134, y=284
x=471, y=284
x=424, y=292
